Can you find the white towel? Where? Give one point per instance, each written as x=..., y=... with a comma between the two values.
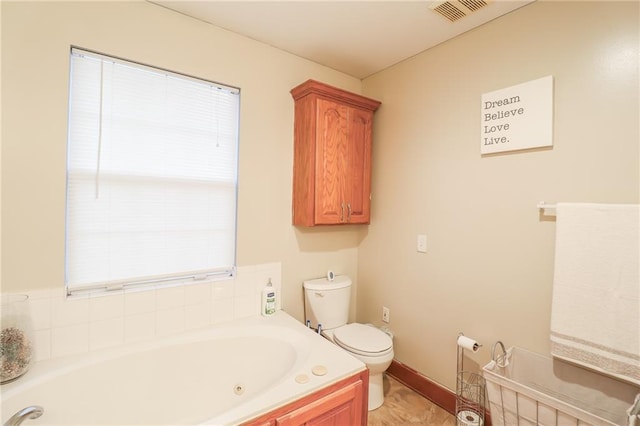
x=595, y=315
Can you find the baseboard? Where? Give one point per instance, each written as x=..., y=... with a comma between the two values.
x=439, y=395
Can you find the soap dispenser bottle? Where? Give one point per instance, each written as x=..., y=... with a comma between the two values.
x=268, y=300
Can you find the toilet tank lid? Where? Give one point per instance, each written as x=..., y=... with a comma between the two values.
x=340, y=281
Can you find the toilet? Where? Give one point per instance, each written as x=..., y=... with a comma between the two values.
x=326, y=305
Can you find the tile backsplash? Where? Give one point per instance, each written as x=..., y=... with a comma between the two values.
x=65, y=326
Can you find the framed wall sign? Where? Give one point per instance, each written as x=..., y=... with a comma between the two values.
x=517, y=117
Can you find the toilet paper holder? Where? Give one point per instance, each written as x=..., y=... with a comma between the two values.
x=470, y=387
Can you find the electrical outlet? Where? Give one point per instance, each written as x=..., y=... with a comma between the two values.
x=421, y=245
x=385, y=314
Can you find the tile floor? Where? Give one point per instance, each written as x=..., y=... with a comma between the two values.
x=403, y=406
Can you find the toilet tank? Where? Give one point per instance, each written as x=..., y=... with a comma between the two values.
x=327, y=302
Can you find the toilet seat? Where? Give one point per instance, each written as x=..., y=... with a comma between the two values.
x=363, y=340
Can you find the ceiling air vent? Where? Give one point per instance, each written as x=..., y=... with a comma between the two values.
x=457, y=9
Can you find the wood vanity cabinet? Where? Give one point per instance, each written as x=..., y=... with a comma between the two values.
x=343, y=403
x=332, y=155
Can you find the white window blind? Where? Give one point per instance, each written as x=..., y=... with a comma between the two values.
x=151, y=175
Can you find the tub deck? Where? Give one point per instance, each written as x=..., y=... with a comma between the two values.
x=221, y=375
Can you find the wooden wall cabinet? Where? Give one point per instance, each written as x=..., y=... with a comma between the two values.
x=343, y=403
x=332, y=155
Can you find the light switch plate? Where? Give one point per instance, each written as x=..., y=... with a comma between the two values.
x=422, y=243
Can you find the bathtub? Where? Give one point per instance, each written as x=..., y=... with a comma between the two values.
x=220, y=375
x=533, y=389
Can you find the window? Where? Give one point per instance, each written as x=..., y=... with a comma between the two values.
x=151, y=175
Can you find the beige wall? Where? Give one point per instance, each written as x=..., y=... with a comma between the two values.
x=35, y=46
x=489, y=266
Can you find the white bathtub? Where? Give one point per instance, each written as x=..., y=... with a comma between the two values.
x=221, y=375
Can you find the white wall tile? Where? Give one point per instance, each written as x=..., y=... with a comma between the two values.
x=139, y=327
x=222, y=311
x=63, y=326
x=106, y=307
x=40, y=311
x=67, y=312
x=245, y=307
x=196, y=316
x=139, y=302
x=197, y=294
x=106, y=333
x=169, y=297
x=245, y=283
x=221, y=290
x=42, y=344
x=69, y=340
x=170, y=321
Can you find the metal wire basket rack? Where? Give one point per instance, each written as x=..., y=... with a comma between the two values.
x=470, y=394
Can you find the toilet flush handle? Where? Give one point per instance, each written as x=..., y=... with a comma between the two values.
x=318, y=294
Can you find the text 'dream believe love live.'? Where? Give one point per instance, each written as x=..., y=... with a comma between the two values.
x=489, y=129
x=517, y=117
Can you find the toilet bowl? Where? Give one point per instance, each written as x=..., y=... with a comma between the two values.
x=327, y=308
x=371, y=346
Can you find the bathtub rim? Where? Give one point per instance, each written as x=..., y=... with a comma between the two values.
x=303, y=340
x=50, y=368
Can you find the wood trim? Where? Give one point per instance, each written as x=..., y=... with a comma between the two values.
x=304, y=155
x=331, y=92
x=364, y=376
x=439, y=395
x=435, y=393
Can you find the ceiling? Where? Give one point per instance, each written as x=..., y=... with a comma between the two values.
x=358, y=38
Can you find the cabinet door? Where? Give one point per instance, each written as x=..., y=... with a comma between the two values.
x=332, y=155
x=331, y=162
x=358, y=166
x=343, y=407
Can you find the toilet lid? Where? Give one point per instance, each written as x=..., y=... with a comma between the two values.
x=363, y=339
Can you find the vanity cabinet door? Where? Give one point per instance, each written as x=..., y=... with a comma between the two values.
x=343, y=407
x=341, y=403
